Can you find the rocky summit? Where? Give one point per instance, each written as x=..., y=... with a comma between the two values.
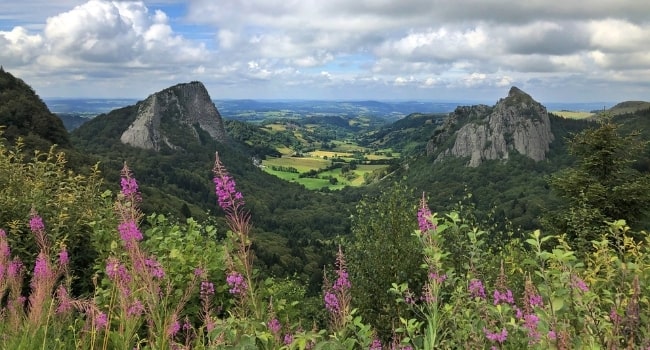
x=516, y=123
x=166, y=117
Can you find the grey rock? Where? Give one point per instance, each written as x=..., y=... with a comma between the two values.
x=180, y=106
x=515, y=123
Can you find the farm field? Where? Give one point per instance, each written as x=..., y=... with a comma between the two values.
x=573, y=114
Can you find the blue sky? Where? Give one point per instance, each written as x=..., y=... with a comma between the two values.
x=568, y=51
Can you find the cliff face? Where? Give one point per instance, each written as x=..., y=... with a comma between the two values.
x=481, y=133
x=165, y=117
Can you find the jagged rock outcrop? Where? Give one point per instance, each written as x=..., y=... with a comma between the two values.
x=481, y=133
x=166, y=116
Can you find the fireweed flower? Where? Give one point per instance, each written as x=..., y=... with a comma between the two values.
x=207, y=288
x=503, y=297
x=274, y=326
x=129, y=186
x=424, y=215
x=14, y=268
x=64, y=259
x=129, y=232
x=64, y=299
x=578, y=283
x=499, y=337
x=476, y=289
x=227, y=196
x=288, y=339
x=173, y=328
x=101, y=320
x=135, y=309
x=331, y=302
x=154, y=267
x=237, y=283
x=42, y=267
x=375, y=345
x=36, y=223
x=435, y=277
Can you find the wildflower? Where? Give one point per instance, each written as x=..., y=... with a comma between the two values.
x=129, y=232
x=136, y=308
x=36, y=223
x=499, y=337
x=424, y=215
x=274, y=326
x=155, y=269
x=14, y=268
x=101, y=320
x=435, y=277
x=198, y=272
x=129, y=185
x=207, y=288
x=476, y=289
x=505, y=297
x=331, y=302
x=578, y=283
x=288, y=339
x=173, y=328
x=552, y=335
x=227, y=197
x=375, y=345
x=41, y=268
x=64, y=259
x=236, y=283
x=530, y=323
x=63, y=297
x=342, y=282
x=116, y=271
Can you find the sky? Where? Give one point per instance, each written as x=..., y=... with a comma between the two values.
x=444, y=50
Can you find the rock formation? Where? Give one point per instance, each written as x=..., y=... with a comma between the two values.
x=167, y=116
x=515, y=123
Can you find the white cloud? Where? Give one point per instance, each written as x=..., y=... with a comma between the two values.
x=18, y=47
x=350, y=48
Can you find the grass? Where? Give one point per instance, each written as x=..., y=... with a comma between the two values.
x=573, y=114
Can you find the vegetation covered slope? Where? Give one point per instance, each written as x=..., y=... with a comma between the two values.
x=25, y=115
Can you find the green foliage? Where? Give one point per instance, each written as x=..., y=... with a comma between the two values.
x=382, y=250
x=67, y=202
x=603, y=186
x=25, y=115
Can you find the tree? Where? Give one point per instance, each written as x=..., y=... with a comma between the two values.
x=384, y=251
x=602, y=186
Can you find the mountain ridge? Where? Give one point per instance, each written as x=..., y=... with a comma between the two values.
x=515, y=123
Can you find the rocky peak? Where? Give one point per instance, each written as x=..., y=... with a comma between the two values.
x=166, y=117
x=516, y=123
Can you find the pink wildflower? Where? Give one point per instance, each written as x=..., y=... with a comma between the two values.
x=505, y=297
x=476, y=289
x=129, y=232
x=101, y=320
x=41, y=267
x=424, y=217
x=207, y=288
x=36, y=223
x=64, y=259
x=331, y=302
x=155, y=269
x=375, y=345
x=288, y=339
x=13, y=270
x=129, y=186
x=578, y=283
x=173, y=328
x=237, y=283
x=64, y=299
x=274, y=326
x=499, y=337
x=437, y=278
x=136, y=309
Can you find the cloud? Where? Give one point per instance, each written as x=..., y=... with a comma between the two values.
x=262, y=48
